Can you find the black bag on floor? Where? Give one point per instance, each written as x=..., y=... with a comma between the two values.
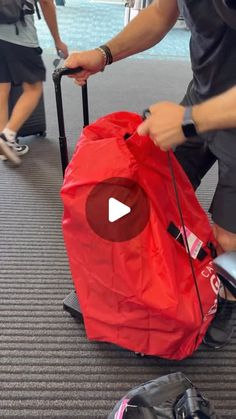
x=36, y=124
x=172, y=396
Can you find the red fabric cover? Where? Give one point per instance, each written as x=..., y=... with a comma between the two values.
x=137, y=294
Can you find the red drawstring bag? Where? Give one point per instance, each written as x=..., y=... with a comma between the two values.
x=137, y=291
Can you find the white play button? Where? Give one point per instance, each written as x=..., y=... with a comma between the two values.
x=117, y=209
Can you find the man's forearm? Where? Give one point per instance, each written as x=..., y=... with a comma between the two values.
x=49, y=13
x=216, y=113
x=145, y=30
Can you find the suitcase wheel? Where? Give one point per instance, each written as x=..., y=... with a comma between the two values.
x=42, y=134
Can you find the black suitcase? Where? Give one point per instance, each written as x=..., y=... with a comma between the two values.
x=36, y=124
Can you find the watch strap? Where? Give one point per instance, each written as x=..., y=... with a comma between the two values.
x=188, y=125
x=188, y=114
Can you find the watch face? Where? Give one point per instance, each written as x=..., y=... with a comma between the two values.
x=189, y=129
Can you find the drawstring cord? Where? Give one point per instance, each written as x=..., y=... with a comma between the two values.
x=184, y=230
x=146, y=114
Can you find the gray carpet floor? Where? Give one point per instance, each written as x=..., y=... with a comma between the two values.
x=48, y=369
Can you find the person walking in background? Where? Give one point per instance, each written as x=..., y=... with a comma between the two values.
x=213, y=58
x=21, y=64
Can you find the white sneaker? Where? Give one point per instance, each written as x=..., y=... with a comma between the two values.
x=20, y=149
x=11, y=151
x=7, y=150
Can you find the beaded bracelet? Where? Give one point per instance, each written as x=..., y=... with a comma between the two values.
x=107, y=55
x=104, y=57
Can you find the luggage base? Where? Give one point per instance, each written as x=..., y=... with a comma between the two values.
x=71, y=304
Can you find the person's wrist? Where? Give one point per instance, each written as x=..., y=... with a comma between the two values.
x=58, y=45
x=57, y=40
x=201, y=118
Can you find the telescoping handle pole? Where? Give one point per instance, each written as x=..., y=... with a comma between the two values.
x=57, y=75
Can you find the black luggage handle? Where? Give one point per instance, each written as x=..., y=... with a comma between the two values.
x=57, y=75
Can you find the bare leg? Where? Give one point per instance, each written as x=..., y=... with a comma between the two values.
x=25, y=105
x=5, y=151
x=23, y=108
x=4, y=98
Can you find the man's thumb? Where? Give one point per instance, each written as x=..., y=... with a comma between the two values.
x=143, y=128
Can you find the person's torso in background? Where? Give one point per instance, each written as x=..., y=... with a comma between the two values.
x=212, y=48
x=27, y=34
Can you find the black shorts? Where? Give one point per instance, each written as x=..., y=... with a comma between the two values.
x=19, y=64
x=199, y=154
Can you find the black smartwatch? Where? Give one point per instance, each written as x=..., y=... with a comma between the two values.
x=188, y=125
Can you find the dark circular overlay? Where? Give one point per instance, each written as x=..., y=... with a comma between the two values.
x=127, y=192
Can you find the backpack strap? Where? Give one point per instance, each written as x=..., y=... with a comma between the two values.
x=37, y=9
x=30, y=8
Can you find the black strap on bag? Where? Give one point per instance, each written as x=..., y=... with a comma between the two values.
x=37, y=9
x=178, y=236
